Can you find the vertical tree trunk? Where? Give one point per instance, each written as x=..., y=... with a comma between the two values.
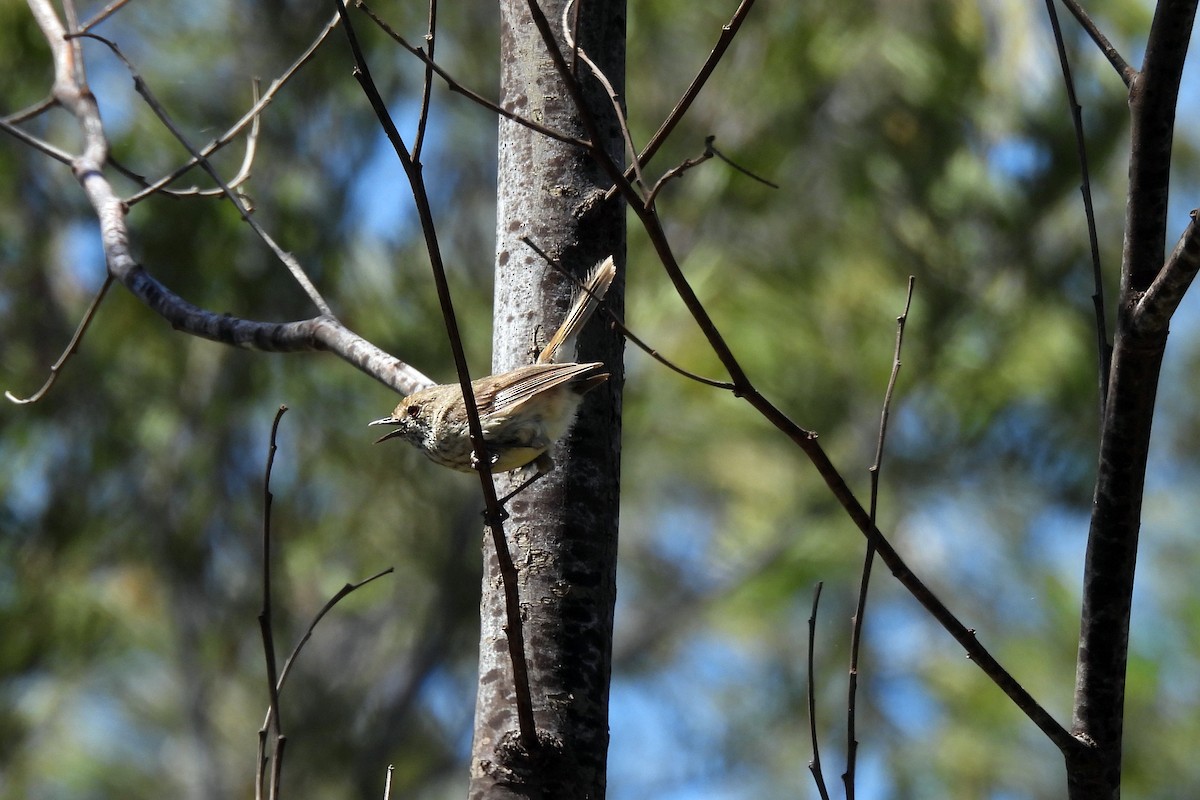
x=563, y=530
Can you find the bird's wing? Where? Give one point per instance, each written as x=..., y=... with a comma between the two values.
x=528, y=381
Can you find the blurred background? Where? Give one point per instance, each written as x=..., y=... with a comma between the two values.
x=907, y=138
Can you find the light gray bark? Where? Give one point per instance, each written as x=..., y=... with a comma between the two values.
x=563, y=530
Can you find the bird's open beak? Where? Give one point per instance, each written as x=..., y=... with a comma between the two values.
x=389, y=434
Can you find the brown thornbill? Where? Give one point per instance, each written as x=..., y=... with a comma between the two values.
x=523, y=412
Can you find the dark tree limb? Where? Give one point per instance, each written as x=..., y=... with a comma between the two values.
x=1122, y=67
x=1141, y=337
x=1156, y=307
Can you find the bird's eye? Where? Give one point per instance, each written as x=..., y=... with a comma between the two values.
x=413, y=410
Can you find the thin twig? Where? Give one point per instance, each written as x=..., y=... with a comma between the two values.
x=287, y=259
x=292, y=658
x=265, y=616
x=337, y=597
x=250, y=118
x=728, y=32
x=243, y=173
x=708, y=143
x=38, y=144
x=619, y=326
x=25, y=114
x=577, y=52
x=678, y=170
x=814, y=764
x=494, y=514
x=71, y=349
x=102, y=15
x=242, y=176
x=427, y=83
x=1103, y=346
x=709, y=152
x=455, y=86
x=1122, y=67
x=869, y=557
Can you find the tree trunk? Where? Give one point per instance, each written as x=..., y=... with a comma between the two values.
x=563, y=530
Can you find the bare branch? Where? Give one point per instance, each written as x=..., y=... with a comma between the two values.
x=67, y=91
x=709, y=152
x=578, y=53
x=626, y=332
x=242, y=176
x=708, y=141
x=41, y=106
x=287, y=259
x=1154, y=311
x=294, y=656
x=103, y=14
x=275, y=677
x=341, y=593
x=1103, y=347
x=1122, y=67
x=250, y=118
x=1153, y=98
x=36, y=143
x=264, y=620
x=318, y=333
x=728, y=32
x=427, y=83
x=72, y=347
x=814, y=764
x=860, y=611
x=264, y=615
x=678, y=172
x=453, y=85
x=1110, y=562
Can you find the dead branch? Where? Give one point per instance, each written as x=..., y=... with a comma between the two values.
x=322, y=332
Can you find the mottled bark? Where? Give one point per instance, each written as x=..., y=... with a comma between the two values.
x=563, y=530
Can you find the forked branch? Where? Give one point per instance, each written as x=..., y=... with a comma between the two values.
x=806, y=440
x=322, y=332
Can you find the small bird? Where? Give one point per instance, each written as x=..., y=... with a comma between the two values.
x=523, y=412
